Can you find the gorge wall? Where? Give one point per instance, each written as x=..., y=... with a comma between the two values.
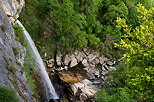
x=11, y=60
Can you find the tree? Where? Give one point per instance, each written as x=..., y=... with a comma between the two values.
x=139, y=54
x=65, y=27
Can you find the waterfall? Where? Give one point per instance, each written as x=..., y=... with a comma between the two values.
x=50, y=91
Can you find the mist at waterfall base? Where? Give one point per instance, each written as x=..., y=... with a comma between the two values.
x=49, y=89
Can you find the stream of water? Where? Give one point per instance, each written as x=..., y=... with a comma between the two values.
x=50, y=91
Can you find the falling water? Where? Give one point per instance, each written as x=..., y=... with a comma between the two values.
x=50, y=91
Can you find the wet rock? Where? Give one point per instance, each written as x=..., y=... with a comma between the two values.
x=69, y=77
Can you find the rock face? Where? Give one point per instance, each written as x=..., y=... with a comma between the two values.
x=11, y=74
x=12, y=8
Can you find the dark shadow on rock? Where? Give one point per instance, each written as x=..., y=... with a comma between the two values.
x=54, y=100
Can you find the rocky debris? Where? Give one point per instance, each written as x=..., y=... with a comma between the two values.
x=73, y=62
x=85, y=88
x=87, y=58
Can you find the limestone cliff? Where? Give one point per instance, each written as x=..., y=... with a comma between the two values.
x=11, y=74
x=12, y=7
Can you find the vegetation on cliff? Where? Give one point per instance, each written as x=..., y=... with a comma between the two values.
x=7, y=95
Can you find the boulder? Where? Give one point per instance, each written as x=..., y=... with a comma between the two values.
x=106, y=67
x=87, y=82
x=91, y=57
x=74, y=62
x=90, y=76
x=102, y=60
x=79, y=57
x=88, y=91
x=96, y=82
x=97, y=73
x=85, y=62
x=83, y=97
x=85, y=89
x=69, y=77
x=103, y=69
x=67, y=60
x=51, y=61
x=50, y=65
x=58, y=61
x=96, y=61
x=109, y=63
x=87, y=69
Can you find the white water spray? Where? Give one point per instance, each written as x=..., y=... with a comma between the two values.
x=50, y=91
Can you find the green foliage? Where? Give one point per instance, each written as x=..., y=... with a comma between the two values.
x=12, y=68
x=139, y=55
x=114, y=95
x=7, y=95
x=19, y=34
x=3, y=27
x=29, y=67
x=16, y=50
x=18, y=62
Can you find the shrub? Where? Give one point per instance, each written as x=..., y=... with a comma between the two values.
x=19, y=34
x=12, y=68
x=7, y=95
x=3, y=27
x=114, y=95
x=16, y=50
x=19, y=63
